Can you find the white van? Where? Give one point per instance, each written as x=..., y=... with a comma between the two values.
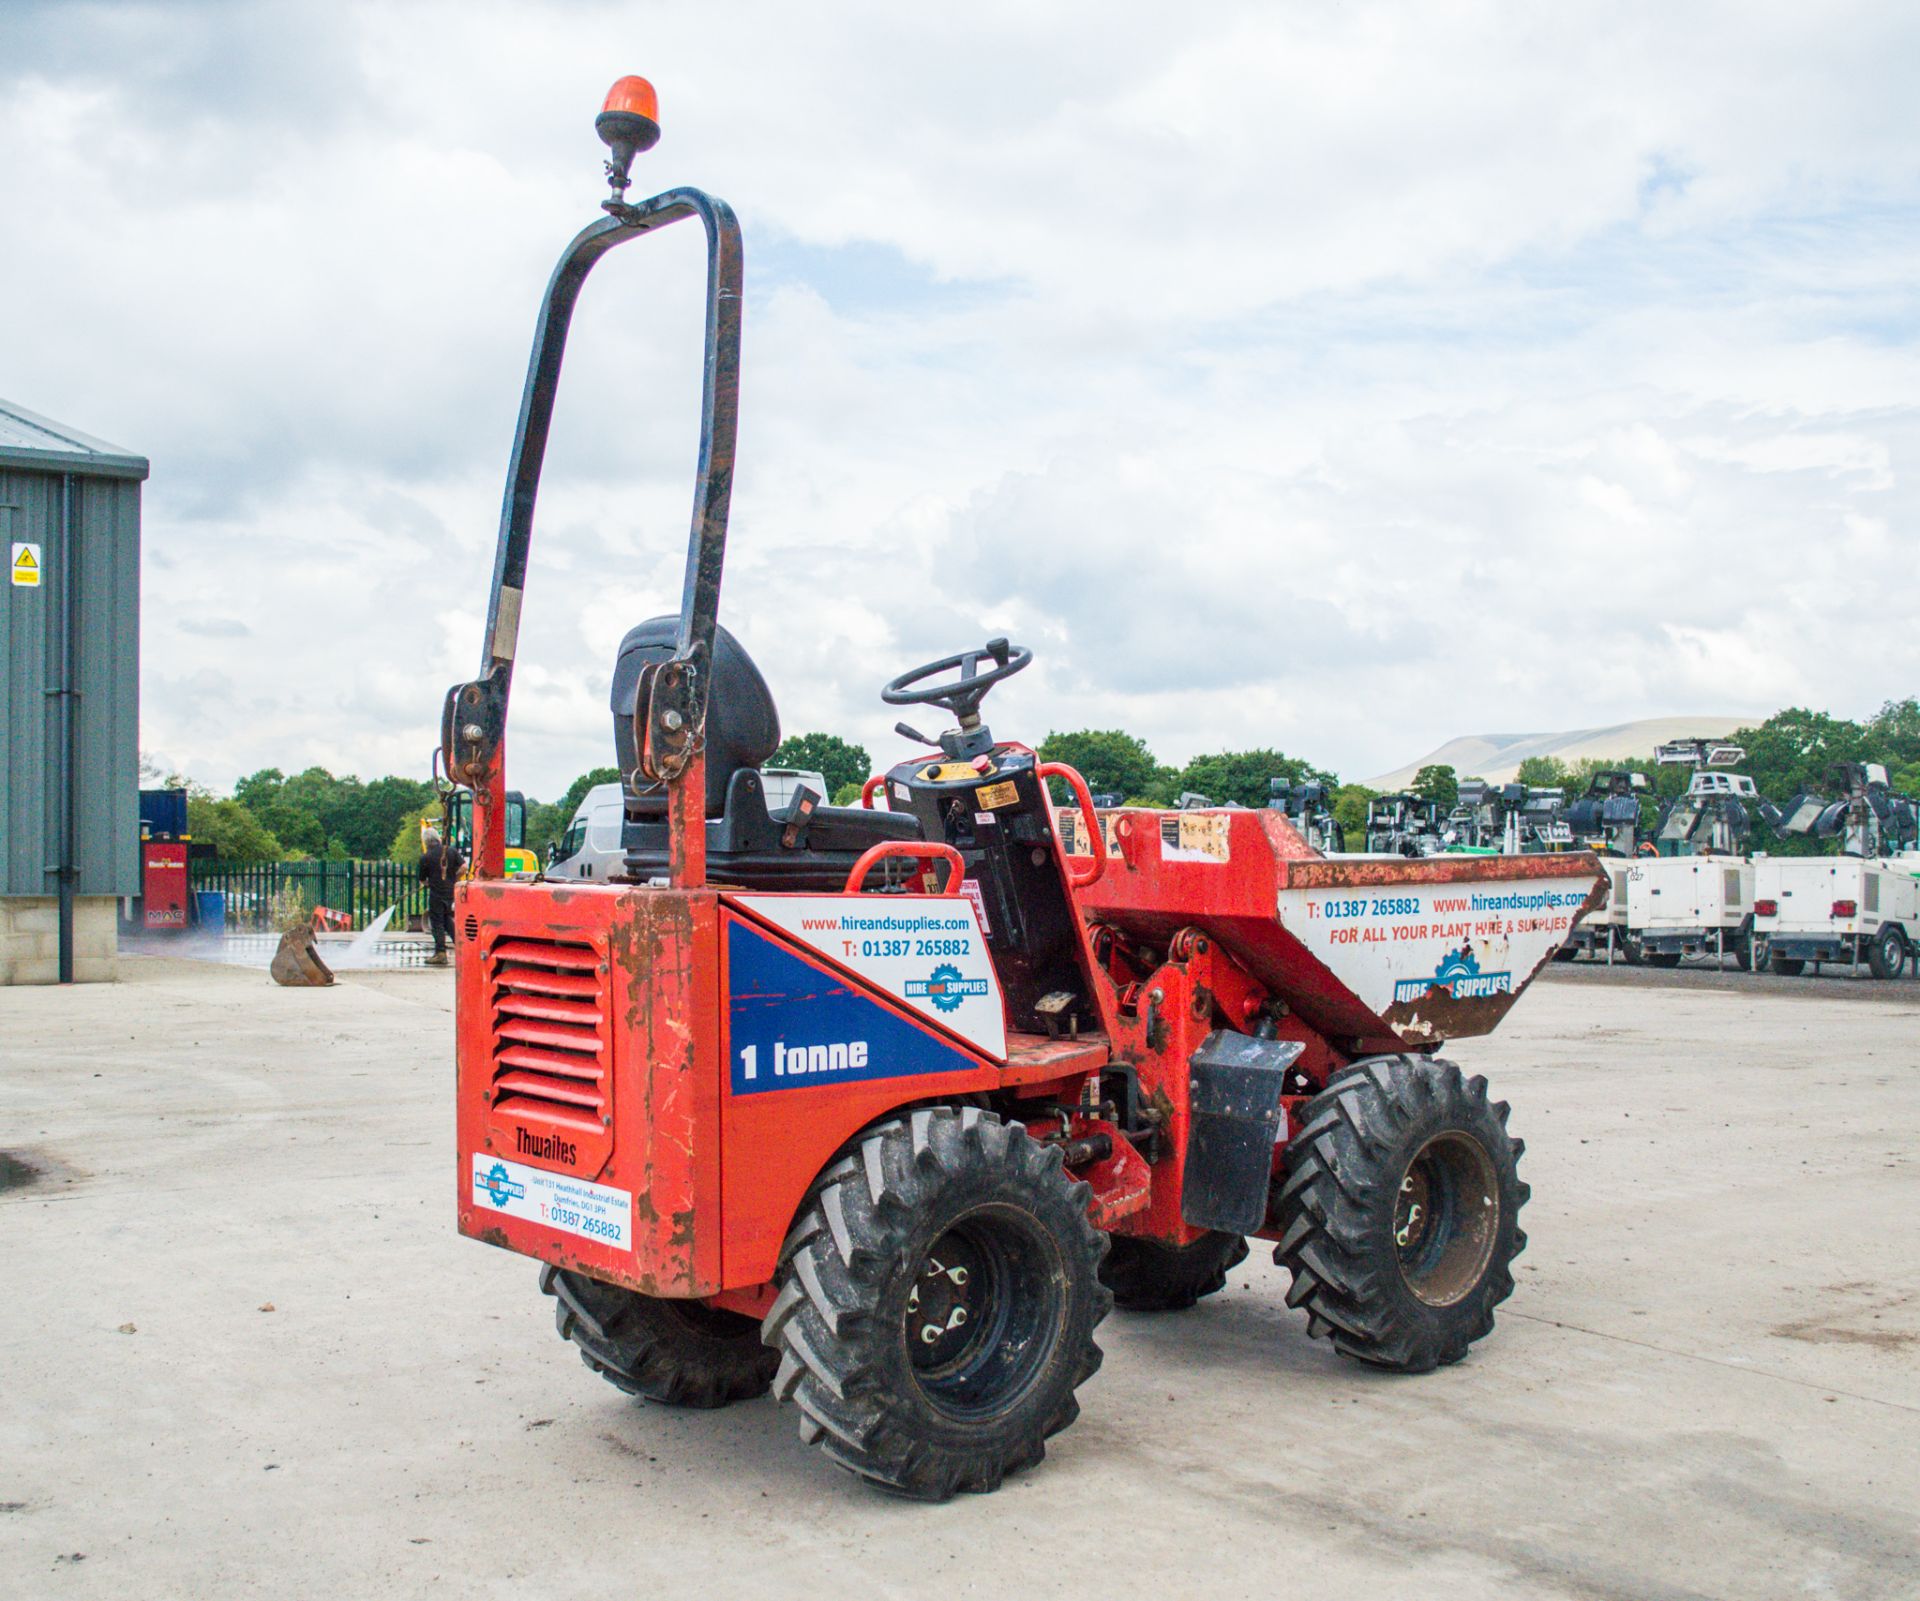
x=591, y=846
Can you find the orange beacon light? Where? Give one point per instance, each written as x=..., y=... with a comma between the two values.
x=629, y=122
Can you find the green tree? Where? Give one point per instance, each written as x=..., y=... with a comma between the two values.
x=1437, y=783
x=833, y=758
x=1112, y=762
x=1793, y=750
x=1893, y=733
x=364, y=817
x=1245, y=775
x=404, y=847
x=1542, y=772
x=1350, y=812
x=234, y=832
x=546, y=822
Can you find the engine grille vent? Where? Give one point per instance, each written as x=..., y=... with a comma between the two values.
x=550, y=1055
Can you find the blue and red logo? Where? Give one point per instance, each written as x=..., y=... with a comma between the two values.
x=1457, y=975
x=946, y=987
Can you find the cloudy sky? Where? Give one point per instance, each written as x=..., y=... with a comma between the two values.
x=1337, y=378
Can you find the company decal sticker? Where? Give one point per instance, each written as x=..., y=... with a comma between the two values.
x=927, y=951
x=1398, y=944
x=554, y=1200
x=993, y=797
x=1460, y=976
x=946, y=988
x=792, y=1024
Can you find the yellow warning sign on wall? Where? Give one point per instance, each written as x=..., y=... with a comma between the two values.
x=25, y=566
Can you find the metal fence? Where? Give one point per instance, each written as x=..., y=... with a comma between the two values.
x=363, y=890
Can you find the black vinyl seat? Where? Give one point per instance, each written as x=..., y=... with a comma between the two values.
x=746, y=844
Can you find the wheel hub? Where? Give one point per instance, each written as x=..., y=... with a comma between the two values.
x=1446, y=1218
x=982, y=1311
x=944, y=1304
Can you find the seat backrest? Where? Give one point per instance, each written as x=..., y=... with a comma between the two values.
x=743, y=727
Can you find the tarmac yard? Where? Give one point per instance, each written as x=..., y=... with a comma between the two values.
x=243, y=1352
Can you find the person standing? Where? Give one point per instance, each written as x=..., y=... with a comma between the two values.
x=440, y=868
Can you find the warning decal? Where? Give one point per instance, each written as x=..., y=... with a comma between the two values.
x=1195, y=837
x=25, y=565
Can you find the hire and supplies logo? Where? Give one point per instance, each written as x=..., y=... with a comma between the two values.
x=1458, y=975
x=945, y=987
x=503, y=1189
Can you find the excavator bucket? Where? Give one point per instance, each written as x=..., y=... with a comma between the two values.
x=297, y=961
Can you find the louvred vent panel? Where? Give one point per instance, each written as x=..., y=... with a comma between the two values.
x=552, y=1095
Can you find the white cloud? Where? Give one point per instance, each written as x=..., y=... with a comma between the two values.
x=1340, y=379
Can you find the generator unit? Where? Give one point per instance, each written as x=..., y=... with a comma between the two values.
x=1862, y=906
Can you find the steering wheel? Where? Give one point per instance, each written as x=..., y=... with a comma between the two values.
x=962, y=695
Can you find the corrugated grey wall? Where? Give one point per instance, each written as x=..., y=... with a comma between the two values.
x=107, y=824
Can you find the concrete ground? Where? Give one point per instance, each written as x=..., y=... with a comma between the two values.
x=243, y=1352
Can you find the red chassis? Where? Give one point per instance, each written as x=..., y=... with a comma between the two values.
x=595, y=1037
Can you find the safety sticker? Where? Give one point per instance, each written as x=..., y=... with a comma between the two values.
x=1195, y=837
x=554, y=1200
x=970, y=887
x=25, y=565
x=995, y=796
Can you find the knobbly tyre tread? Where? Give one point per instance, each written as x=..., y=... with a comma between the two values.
x=657, y=1348
x=1149, y=1276
x=844, y=1268
x=1336, y=1206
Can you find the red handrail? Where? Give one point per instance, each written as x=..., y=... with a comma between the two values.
x=878, y=781
x=924, y=850
x=1096, y=836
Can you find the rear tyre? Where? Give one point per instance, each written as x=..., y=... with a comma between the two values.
x=1786, y=966
x=1634, y=951
x=679, y=1353
x=937, y=1301
x=1147, y=1276
x=1743, y=949
x=1887, y=955
x=1399, y=1212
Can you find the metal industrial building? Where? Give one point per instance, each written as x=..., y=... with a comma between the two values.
x=69, y=697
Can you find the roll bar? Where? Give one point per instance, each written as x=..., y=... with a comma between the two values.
x=670, y=704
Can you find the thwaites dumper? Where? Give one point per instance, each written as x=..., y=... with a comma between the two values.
x=882, y=1107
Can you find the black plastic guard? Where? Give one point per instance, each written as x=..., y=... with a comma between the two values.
x=1235, y=1083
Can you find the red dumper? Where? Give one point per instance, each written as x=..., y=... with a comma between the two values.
x=882, y=1107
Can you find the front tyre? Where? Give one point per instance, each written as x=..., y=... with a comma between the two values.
x=679, y=1353
x=1399, y=1212
x=937, y=1300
